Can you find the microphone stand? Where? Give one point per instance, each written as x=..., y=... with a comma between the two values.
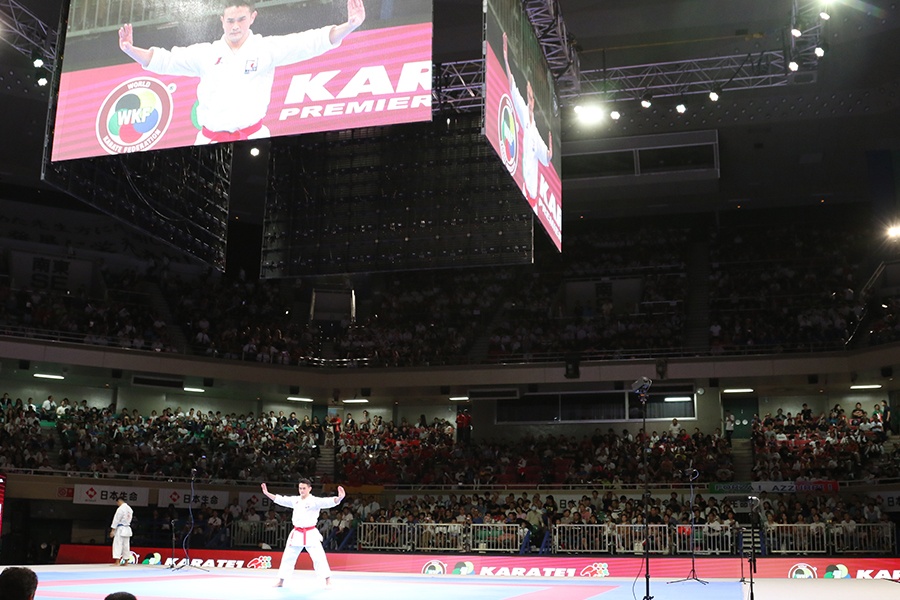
x=187, y=561
x=753, y=517
x=641, y=387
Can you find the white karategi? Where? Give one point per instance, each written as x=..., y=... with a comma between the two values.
x=533, y=147
x=305, y=534
x=236, y=86
x=121, y=525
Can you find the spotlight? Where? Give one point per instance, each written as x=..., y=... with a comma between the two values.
x=824, y=14
x=645, y=100
x=614, y=115
x=894, y=231
x=819, y=51
x=793, y=66
x=589, y=114
x=714, y=96
x=42, y=81
x=796, y=32
x=38, y=63
x=254, y=151
x=681, y=108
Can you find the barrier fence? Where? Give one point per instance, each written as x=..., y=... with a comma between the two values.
x=877, y=538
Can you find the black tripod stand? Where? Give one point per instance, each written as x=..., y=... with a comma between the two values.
x=692, y=576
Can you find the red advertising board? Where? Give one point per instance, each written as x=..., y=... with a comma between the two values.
x=485, y=565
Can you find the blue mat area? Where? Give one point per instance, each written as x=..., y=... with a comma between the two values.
x=156, y=583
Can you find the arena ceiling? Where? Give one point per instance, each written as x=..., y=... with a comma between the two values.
x=794, y=144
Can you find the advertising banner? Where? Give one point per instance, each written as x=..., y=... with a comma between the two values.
x=39, y=272
x=109, y=494
x=190, y=72
x=182, y=498
x=886, y=500
x=786, y=487
x=515, y=566
x=258, y=501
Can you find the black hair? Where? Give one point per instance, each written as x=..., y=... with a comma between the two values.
x=18, y=583
x=306, y=481
x=251, y=4
x=120, y=596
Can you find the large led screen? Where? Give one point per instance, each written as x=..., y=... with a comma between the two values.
x=521, y=111
x=150, y=74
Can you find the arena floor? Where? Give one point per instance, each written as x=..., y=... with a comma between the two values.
x=90, y=582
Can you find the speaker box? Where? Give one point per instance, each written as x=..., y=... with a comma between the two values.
x=116, y=374
x=24, y=365
x=365, y=392
x=619, y=385
x=532, y=388
x=887, y=371
x=445, y=389
x=294, y=390
x=208, y=382
x=713, y=382
x=812, y=379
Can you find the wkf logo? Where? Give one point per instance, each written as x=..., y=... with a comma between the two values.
x=508, y=132
x=250, y=66
x=135, y=116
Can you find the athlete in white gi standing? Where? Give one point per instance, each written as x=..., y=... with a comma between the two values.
x=120, y=532
x=306, y=509
x=533, y=147
x=237, y=71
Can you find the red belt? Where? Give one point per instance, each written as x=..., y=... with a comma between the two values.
x=232, y=136
x=303, y=530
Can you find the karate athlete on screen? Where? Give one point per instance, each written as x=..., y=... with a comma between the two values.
x=533, y=147
x=237, y=71
x=306, y=509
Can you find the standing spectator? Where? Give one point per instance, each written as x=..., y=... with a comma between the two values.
x=463, y=426
x=887, y=415
x=729, y=426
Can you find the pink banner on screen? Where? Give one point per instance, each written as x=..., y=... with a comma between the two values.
x=486, y=565
x=506, y=133
x=388, y=72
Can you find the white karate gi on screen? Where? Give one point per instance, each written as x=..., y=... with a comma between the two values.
x=533, y=147
x=236, y=86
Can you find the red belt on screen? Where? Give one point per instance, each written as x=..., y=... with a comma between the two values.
x=232, y=136
x=303, y=530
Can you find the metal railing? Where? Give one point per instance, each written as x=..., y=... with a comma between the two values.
x=497, y=537
x=704, y=539
x=624, y=539
x=629, y=539
x=250, y=533
x=384, y=536
x=864, y=537
x=835, y=538
x=580, y=539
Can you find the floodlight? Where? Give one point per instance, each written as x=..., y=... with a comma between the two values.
x=793, y=66
x=796, y=32
x=614, y=115
x=681, y=108
x=645, y=99
x=714, y=96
